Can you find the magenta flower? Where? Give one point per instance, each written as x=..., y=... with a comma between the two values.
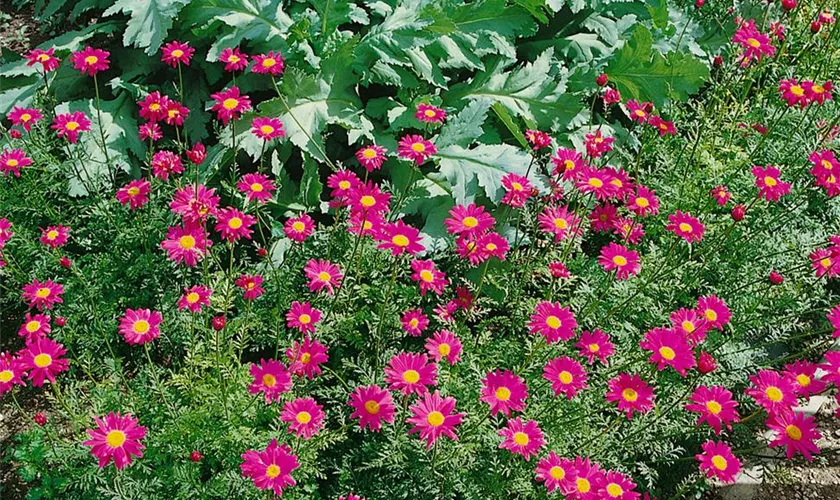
x=323, y=275
x=90, y=60
x=35, y=327
x=306, y=358
x=116, y=437
x=165, y=163
x=624, y=261
x=399, y=238
x=234, y=59
x=12, y=371
x=303, y=317
x=371, y=157
x=305, y=416
x=195, y=298
x=140, y=326
x=444, y=345
x=567, y=376
x=553, y=321
x=55, y=236
x=770, y=187
x=270, y=469
x=43, y=360
x=520, y=438
x=43, y=295
x=685, y=226
x=556, y=473
x=187, y=244
x=175, y=53
x=795, y=431
x=373, y=405
x=24, y=117
x=267, y=128
x=271, y=63
x=595, y=344
x=233, y=224
x=428, y=277
x=229, y=104
x=150, y=132
x=415, y=148
x=631, y=393
x=70, y=125
x=470, y=220
x=773, y=391
x=299, y=228
x=428, y=113
x=504, y=392
x=668, y=348
x=45, y=58
x=250, y=285
x=409, y=373
x=256, y=187
x=718, y=461
x=271, y=379
x=433, y=417
x=715, y=406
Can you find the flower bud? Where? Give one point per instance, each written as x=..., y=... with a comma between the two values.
x=815, y=27
x=196, y=456
x=706, y=363
x=219, y=322
x=65, y=262
x=40, y=418
x=718, y=61
x=699, y=3
x=61, y=321
x=776, y=278
x=789, y=4
x=738, y=213
x=601, y=79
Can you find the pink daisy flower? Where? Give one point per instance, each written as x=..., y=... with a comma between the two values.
x=55, y=236
x=597, y=182
x=588, y=477
x=167, y=162
x=685, y=226
x=772, y=391
x=153, y=106
x=11, y=373
x=195, y=298
x=560, y=222
x=250, y=284
x=234, y=59
x=175, y=113
x=493, y=245
x=618, y=257
x=175, y=53
x=714, y=311
x=718, y=461
x=42, y=358
x=187, y=244
x=271, y=63
x=558, y=270
x=631, y=393
x=323, y=275
x=636, y=111
x=755, y=44
x=306, y=358
x=538, y=139
x=568, y=163
x=427, y=113
x=553, y=322
x=365, y=223
x=617, y=485
x=230, y=104
x=796, y=432
x=444, y=345
x=5, y=233
x=267, y=128
x=35, y=327
x=793, y=93
x=721, y=194
x=556, y=473
x=369, y=198
x=24, y=117
x=409, y=373
x=596, y=144
x=372, y=406
x=470, y=220
x=644, y=202
x=90, y=60
x=429, y=277
x=603, y=217
x=433, y=417
x=45, y=58
x=371, y=157
x=803, y=374
x=517, y=190
x=629, y=230
x=770, y=187
x=139, y=326
x=414, y=322
x=305, y=416
x=399, y=238
x=520, y=438
x=270, y=469
x=256, y=187
x=818, y=93
x=715, y=406
x=566, y=375
x=415, y=148
x=116, y=437
x=341, y=183
x=668, y=348
x=233, y=224
x=595, y=344
x=150, y=132
x=303, y=317
x=43, y=295
x=70, y=125
x=271, y=379
x=823, y=263
x=833, y=317
x=299, y=228
x=691, y=324
x=663, y=127
x=503, y=391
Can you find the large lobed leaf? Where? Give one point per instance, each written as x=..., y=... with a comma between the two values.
x=149, y=21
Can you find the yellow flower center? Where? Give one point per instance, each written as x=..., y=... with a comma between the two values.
x=557, y=472
x=133, y=191
x=520, y=438
x=344, y=184
x=553, y=322
x=12, y=162
x=71, y=125
x=444, y=349
x=569, y=165
x=177, y=53
x=667, y=353
x=435, y=419
x=614, y=490
x=42, y=293
x=369, y=153
x=368, y=201
x=186, y=242
x=594, y=348
x=43, y=360
x=714, y=407
x=154, y=106
x=561, y=223
x=414, y=322
x=411, y=376
x=430, y=113
x=235, y=223
x=43, y=58
x=797, y=90
x=233, y=59
x=516, y=186
x=688, y=326
x=324, y=276
x=400, y=240
x=372, y=407
x=774, y=394
x=640, y=113
x=595, y=182
x=565, y=377
x=819, y=89
x=753, y=43
x=710, y=315
x=115, y=438
x=25, y=117
x=619, y=260
x=303, y=417
x=503, y=394
x=685, y=227
x=793, y=432
x=298, y=226
x=193, y=297
x=418, y=147
x=305, y=358
x=267, y=129
x=269, y=380
x=629, y=395
x=272, y=471
x=91, y=59
x=770, y=181
x=583, y=485
x=803, y=380
x=256, y=187
x=52, y=235
x=230, y=103
x=141, y=326
x=33, y=326
x=6, y=375
x=719, y=462
x=642, y=202
x=826, y=164
x=269, y=62
x=427, y=276
x=470, y=221
x=305, y=319
x=826, y=262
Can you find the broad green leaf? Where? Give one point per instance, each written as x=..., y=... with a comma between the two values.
x=310, y=183
x=149, y=21
x=469, y=171
x=466, y=126
x=535, y=91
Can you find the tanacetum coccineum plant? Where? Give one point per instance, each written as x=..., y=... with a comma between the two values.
x=369, y=254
